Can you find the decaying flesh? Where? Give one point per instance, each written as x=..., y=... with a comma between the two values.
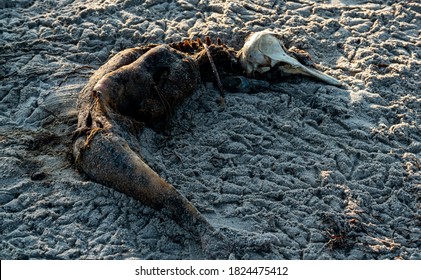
x=141, y=86
x=144, y=85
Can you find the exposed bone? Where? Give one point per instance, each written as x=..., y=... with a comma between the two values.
x=264, y=50
x=214, y=70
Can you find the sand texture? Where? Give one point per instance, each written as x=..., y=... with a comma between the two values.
x=302, y=170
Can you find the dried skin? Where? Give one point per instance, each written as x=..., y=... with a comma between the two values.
x=137, y=85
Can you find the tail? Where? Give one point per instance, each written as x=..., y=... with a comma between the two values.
x=109, y=160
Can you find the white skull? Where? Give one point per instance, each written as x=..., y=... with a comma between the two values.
x=263, y=50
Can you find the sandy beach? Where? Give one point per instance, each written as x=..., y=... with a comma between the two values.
x=302, y=170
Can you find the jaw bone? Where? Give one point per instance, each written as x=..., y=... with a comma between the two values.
x=264, y=50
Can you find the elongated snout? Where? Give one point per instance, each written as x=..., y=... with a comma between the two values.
x=264, y=50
